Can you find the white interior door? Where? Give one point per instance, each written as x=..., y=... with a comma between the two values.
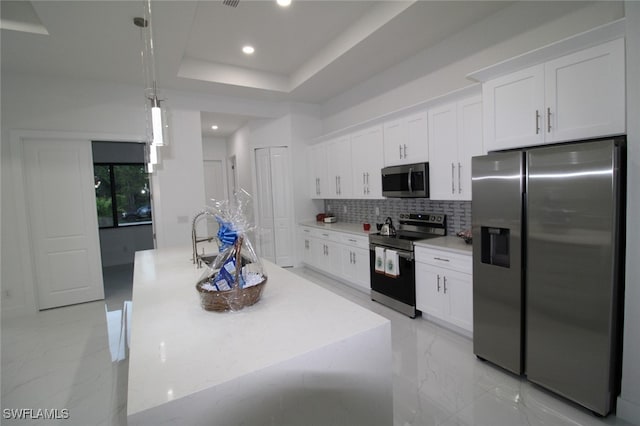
x=214, y=189
x=281, y=195
x=274, y=205
x=62, y=218
x=265, y=205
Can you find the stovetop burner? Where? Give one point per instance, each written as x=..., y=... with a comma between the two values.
x=412, y=227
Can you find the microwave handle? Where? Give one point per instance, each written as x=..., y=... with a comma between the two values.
x=409, y=178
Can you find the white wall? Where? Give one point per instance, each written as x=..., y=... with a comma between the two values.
x=178, y=184
x=443, y=68
x=214, y=148
x=629, y=401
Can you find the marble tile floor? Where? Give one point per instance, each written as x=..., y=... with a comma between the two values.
x=75, y=358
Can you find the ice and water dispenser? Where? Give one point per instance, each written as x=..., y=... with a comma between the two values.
x=494, y=243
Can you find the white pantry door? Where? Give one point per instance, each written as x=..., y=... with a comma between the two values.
x=62, y=217
x=274, y=205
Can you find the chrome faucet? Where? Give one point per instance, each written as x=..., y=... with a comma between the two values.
x=197, y=259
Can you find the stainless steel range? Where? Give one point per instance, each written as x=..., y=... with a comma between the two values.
x=392, y=261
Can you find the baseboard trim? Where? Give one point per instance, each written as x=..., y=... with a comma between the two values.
x=628, y=411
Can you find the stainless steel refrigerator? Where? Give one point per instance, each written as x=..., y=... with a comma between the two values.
x=548, y=247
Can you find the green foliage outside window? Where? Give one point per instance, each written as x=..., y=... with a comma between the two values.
x=122, y=194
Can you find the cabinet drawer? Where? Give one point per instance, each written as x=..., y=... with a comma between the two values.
x=354, y=240
x=444, y=259
x=326, y=235
x=308, y=231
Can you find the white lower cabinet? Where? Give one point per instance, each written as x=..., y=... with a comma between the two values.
x=342, y=255
x=355, y=266
x=444, y=287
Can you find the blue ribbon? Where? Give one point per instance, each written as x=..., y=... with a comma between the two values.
x=226, y=234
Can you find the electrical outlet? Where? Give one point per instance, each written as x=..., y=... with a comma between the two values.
x=344, y=208
x=377, y=211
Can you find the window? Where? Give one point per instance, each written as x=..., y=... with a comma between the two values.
x=122, y=195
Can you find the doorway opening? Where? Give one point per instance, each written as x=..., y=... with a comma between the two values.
x=124, y=206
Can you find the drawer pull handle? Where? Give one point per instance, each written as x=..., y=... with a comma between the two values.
x=439, y=258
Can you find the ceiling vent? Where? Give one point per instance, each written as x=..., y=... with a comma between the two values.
x=232, y=3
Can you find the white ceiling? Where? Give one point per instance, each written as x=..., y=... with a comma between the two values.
x=308, y=52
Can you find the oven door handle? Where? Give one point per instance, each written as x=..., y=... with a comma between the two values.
x=402, y=253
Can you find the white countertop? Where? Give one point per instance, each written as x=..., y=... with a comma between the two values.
x=351, y=228
x=448, y=243
x=177, y=348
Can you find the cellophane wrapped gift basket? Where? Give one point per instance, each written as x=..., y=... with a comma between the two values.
x=236, y=278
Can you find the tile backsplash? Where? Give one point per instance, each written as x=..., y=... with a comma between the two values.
x=360, y=211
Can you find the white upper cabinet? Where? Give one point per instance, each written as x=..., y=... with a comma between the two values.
x=455, y=135
x=339, y=169
x=577, y=96
x=317, y=162
x=406, y=140
x=585, y=93
x=513, y=108
x=367, y=160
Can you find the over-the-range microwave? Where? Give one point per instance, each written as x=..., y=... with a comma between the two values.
x=406, y=181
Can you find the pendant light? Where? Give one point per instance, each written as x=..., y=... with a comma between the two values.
x=155, y=106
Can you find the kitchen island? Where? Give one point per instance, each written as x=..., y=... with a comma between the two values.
x=301, y=355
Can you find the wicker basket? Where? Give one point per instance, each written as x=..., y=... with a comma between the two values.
x=229, y=300
x=235, y=298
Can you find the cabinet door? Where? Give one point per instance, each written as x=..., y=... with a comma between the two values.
x=469, y=142
x=457, y=287
x=394, y=134
x=361, y=268
x=330, y=257
x=367, y=160
x=429, y=291
x=443, y=147
x=585, y=93
x=416, y=148
x=349, y=270
x=308, y=250
x=339, y=168
x=306, y=245
x=514, y=109
x=317, y=162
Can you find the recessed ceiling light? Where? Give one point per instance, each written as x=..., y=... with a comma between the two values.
x=214, y=127
x=248, y=49
x=284, y=3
